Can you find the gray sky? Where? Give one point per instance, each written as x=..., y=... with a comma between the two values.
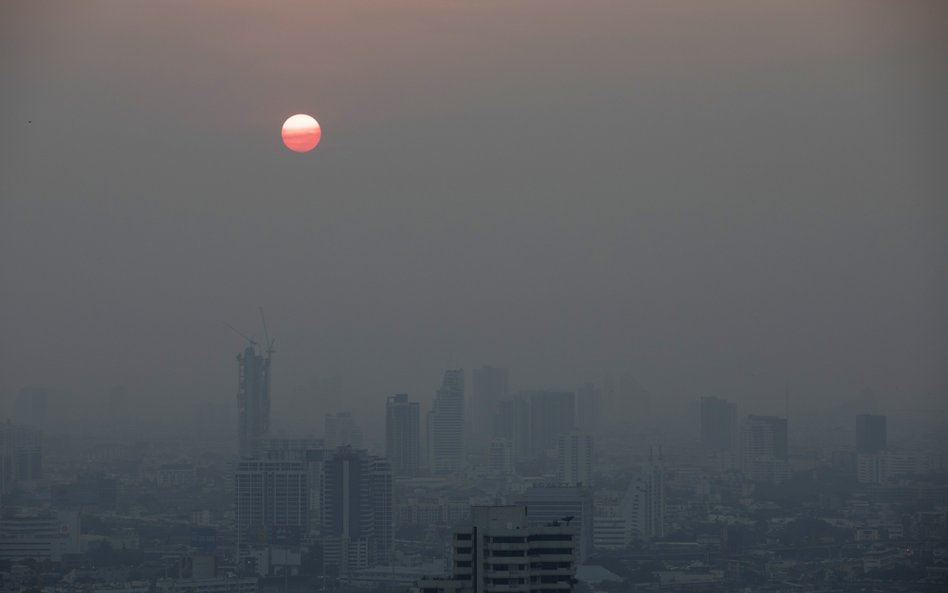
x=733, y=197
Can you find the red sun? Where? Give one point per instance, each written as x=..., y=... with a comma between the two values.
x=301, y=133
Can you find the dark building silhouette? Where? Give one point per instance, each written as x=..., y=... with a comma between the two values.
x=253, y=399
x=870, y=433
x=403, y=434
x=489, y=388
x=446, y=424
x=552, y=413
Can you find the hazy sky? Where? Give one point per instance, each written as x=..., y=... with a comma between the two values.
x=737, y=197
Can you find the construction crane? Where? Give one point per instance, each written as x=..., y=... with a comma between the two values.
x=251, y=341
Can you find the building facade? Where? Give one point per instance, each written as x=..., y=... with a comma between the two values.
x=253, y=400
x=504, y=552
x=446, y=425
x=403, y=435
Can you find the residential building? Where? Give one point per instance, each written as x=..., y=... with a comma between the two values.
x=446, y=425
x=574, y=459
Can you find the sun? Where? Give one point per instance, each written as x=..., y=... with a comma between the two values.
x=301, y=133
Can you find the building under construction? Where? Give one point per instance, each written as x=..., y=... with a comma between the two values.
x=253, y=399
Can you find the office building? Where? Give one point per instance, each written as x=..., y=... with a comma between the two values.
x=574, y=456
x=765, y=449
x=270, y=497
x=446, y=425
x=253, y=399
x=718, y=424
x=357, y=521
x=403, y=435
x=870, y=433
x=342, y=430
x=552, y=413
x=547, y=503
x=503, y=551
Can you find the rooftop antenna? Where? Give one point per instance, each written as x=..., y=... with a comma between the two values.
x=266, y=334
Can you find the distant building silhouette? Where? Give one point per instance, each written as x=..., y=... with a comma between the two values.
x=645, y=501
x=574, y=456
x=21, y=455
x=512, y=424
x=588, y=408
x=765, y=449
x=500, y=459
x=489, y=388
x=253, y=399
x=446, y=424
x=403, y=434
x=552, y=413
x=870, y=433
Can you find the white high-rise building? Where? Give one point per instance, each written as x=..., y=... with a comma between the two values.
x=575, y=459
x=446, y=425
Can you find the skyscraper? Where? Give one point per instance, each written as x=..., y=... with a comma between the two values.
x=489, y=388
x=870, y=433
x=574, y=456
x=718, y=424
x=552, y=413
x=765, y=449
x=253, y=399
x=357, y=520
x=446, y=424
x=402, y=434
x=512, y=424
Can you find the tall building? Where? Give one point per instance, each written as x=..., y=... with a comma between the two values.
x=403, y=434
x=21, y=455
x=718, y=424
x=765, y=455
x=253, y=399
x=644, y=504
x=550, y=503
x=269, y=496
x=357, y=520
x=503, y=551
x=870, y=433
x=489, y=388
x=574, y=459
x=446, y=425
x=342, y=430
x=552, y=413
